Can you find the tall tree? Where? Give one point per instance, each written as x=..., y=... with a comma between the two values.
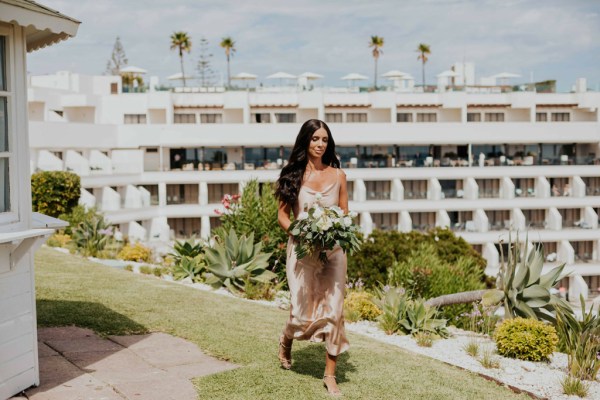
x=229, y=45
x=204, y=67
x=376, y=44
x=182, y=42
x=117, y=60
x=423, y=51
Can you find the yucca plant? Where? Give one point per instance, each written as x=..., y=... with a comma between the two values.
x=232, y=262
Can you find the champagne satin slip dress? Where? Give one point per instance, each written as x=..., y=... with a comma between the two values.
x=317, y=290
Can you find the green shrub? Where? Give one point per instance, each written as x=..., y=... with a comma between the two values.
x=136, y=252
x=54, y=192
x=358, y=305
x=580, y=340
x=426, y=274
x=573, y=386
x=76, y=216
x=393, y=303
x=128, y=267
x=157, y=271
x=255, y=212
x=92, y=236
x=384, y=248
x=481, y=319
x=420, y=318
x=146, y=270
x=260, y=290
x=58, y=240
x=526, y=339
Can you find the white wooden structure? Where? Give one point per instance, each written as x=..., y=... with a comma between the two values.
x=25, y=26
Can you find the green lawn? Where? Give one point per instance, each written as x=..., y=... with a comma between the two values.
x=72, y=291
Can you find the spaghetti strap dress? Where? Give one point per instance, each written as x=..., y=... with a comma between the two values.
x=317, y=289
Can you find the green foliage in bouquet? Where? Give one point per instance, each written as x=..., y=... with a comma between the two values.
x=322, y=228
x=526, y=339
x=54, y=192
x=231, y=262
x=255, y=211
x=384, y=248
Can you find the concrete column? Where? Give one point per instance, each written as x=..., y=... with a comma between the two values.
x=442, y=219
x=87, y=199
x=542, y=188
x=162, y=194
x=203, y=194
x=404, y=222
x=111, y=200
x=517, y=219
x=507, y=188
x=366, y=223
x=481, y=220
x=136, y=232
x=145, y=196
x=590, y=218
x=491, y=255
x=577, y=288
x=578, y=188
x=205, y=227
x=565, y=253
x=434, y=189
x=159, y=229
x=360, y=191
x=133, y=197
x=471, y=189
x=397, y=190
x=553, y=219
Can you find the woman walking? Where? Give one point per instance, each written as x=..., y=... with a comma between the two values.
x=317, y=289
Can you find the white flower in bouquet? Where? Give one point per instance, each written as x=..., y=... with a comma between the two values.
x=318, y=213
x=338, y=211
x=347, y=220
x=352, y=214
x=324, y=224
x=318, y=196
x=303, y=215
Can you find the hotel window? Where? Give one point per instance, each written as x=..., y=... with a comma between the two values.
x=356, y=117
x=261, y=118
x=211, y=118
x=541, y=117
x=494, y=117
x=6, y=126
x=561, y=117
x=185, y=119
x=404, y=117
x=285, y=118
x=473, y=117
x=135, y=118
x=114, y=88
x=426, y=117
x=333, y=117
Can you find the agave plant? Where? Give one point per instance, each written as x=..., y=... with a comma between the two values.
x=188, y=248
x=523, y=289
x=236, y=260
x=421, y=318
x=189, y=268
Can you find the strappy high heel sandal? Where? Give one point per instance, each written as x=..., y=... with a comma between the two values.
x=331, y=392
x=285, y=354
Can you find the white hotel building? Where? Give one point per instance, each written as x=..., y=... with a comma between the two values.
x=480, y=160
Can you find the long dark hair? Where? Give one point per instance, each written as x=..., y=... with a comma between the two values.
x=290, y=178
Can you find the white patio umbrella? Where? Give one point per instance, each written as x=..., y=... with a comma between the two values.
x=503, y=77
x=179, y=77
x=244, y=76
x=447, y=74
x=352, y=77
x=310, y=76
x=394, y=74
x=133, y=70
x=281, y=76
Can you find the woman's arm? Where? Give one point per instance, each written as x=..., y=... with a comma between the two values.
x=283, y=216
x=343, y=202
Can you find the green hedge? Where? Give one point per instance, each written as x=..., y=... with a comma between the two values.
x=382, y=249
x=55, y=192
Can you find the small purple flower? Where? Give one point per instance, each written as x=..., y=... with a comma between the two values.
x=107, y=231
x=386, y=288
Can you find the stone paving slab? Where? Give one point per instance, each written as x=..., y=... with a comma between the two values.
x=76, y=364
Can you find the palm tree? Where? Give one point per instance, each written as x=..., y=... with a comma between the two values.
x=181, y=41
x=229, y=45
x=376, y=44
x=424, y=50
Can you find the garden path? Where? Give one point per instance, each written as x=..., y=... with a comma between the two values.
x=75, y=363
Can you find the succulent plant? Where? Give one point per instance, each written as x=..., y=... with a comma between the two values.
x=523, y=289
x=421, y=318
x=235, y=261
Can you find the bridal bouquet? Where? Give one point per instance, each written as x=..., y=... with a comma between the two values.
x=319, y=229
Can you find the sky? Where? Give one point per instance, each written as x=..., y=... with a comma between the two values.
x=544, y=39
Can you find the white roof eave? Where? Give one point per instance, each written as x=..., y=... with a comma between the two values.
x=41, y=28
